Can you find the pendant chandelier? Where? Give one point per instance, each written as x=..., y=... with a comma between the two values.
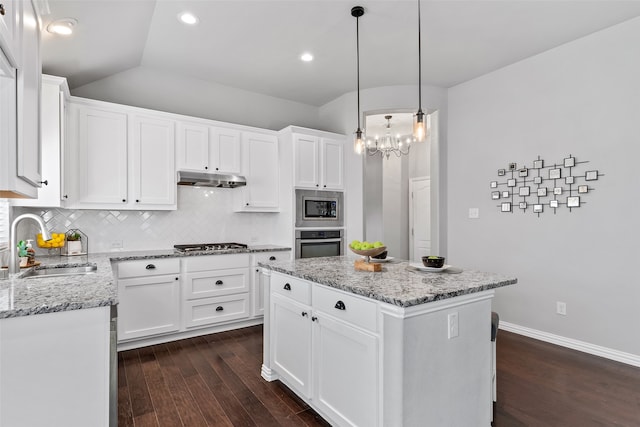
x=419, y=126
x=358, y=142
x=388, y=144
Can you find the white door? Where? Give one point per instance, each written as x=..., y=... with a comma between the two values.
x=291, y=342
x=102, y=156
x=345, y=372
x=153, y=148
x=331, y=159
x=420, y=218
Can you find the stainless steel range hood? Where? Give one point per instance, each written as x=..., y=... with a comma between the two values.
x=203, y=179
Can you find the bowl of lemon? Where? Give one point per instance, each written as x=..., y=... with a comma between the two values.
x=367, y=249
x=57, y=241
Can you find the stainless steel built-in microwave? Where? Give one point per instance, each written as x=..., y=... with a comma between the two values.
x=319, y=208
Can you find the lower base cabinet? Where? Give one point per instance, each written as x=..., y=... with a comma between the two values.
x=54, y=369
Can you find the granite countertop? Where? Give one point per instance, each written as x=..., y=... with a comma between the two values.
x=24, y=297
x=398, y=283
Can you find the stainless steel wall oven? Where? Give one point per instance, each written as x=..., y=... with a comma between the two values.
x=319, y=243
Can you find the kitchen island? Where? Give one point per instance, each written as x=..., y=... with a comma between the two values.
x=401, y=347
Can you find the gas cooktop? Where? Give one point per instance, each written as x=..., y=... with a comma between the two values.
x=209, y=247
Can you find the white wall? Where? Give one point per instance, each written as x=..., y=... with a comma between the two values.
x=148, y=88
x=583, y=99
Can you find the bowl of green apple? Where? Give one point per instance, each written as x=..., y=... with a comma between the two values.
x=367, y=249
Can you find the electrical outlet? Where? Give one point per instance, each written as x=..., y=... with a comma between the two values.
x=452, y=320
x=561, y=308
x=474, y=213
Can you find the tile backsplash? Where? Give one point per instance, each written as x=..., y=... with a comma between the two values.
x=203, y=215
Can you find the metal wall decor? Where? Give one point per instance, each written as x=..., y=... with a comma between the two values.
x=543, y=186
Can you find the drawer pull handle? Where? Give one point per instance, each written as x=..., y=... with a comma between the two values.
x=304, y=313
x=219, y=282
x=219, y=308
x=272, y=258
x=287, y=287
x=314, y=318
x=150, y=267
x=340, y=306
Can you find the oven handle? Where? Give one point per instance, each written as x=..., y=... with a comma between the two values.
x=320, y=240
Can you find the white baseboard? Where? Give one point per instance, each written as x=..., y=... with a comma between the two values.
x=585, y=347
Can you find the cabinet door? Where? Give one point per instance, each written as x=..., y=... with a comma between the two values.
x=153, y=167
x=262, y=169
x=345, y=372
x=102, y=157
x=224, y=150
x=193, y=147
x=8, y=20
x=305, y=150
x=331, y=164
x=148, y=306
x=29, y=155
x=257, y=279
x=291, y=342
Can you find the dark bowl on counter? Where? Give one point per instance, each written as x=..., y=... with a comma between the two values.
x=432, y=261
x=383, y=255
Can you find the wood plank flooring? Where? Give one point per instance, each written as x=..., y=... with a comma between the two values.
x=215, y=381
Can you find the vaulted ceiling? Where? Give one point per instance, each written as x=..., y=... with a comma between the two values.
x=255, y=45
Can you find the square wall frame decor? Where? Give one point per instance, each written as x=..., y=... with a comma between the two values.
x=539, y=180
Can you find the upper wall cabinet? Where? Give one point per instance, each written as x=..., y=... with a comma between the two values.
x=119, y=158
x=53, y=100
x=318, y=162
x=261, y=167
x=207, y=148
x=20, y=70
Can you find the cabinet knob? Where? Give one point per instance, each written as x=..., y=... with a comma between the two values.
x=272, y=258
x=314, y=318
x=137, y=200
x=206, y=167
x=317, y=185
x=304, y=313
x=257, y=270
x=66, y=196
x=2, y=9
x=216, y=168
x=247, y=203
x=219, y=308
x=124, y=200
x=219, y=282
x=150, y=267
x=287, y=287
x=340, y=306
x=176, y=278
x=46, y=181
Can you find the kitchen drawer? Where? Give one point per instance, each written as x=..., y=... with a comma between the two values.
x=216, y=282
x=353, y=309
x=210, y=311
x=213, y=262
x=267, y=256
x=296, y=289
x=148, y=267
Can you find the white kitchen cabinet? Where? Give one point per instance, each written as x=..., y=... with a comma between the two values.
x=9, y=21
x=149, y=298
x=54, y=96
x=119, y=158
x=257, y=282
x=324, y=344
x=55, y=369
x=207, y=148
x=152, y=165
x=261, y=167
x=215, y=289
x=29, y=76
x=318, y=162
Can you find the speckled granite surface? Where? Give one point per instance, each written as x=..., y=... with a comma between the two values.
x=396, y=284
x=24, y=297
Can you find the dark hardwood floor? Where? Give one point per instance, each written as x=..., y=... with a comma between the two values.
x=215, y=381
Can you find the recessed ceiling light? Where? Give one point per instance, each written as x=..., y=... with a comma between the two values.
x=306, y=57
x=63, y=27
x=188, y=18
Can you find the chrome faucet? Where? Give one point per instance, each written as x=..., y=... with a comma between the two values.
x=13, y=259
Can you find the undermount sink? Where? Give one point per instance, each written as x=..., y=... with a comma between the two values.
x=53, y=271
